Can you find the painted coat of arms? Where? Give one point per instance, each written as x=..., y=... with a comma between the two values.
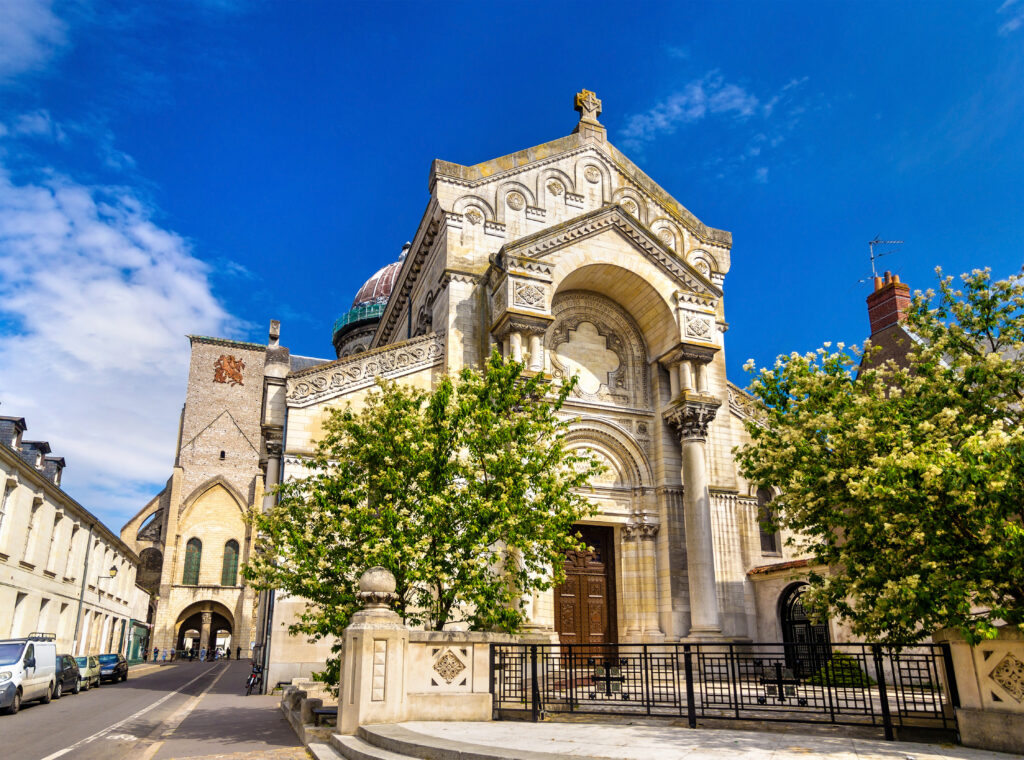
x=228, y=369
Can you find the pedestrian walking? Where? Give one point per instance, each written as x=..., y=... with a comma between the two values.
x=192, y=654
x=145, y=654
x=227, y=653
x=164, y=657
x=238, y=653
x=202, y=655
x=156, y=653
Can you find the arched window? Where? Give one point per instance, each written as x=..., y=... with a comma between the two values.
x=765, y=519
x=193, y=554
x=229, y=574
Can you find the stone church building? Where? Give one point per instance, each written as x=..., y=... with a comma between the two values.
x=569, y=258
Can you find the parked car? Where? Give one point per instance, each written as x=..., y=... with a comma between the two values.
x=27, y=670
x=68, y=677
x=89, y=668
x=113, y=668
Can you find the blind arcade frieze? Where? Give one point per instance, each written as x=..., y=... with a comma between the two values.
x=361, y=370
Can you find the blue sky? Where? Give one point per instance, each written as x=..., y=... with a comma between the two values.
x=205, y=166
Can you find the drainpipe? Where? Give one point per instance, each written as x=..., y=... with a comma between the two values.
x=81, y=595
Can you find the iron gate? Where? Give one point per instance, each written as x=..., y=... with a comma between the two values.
x=854, y=684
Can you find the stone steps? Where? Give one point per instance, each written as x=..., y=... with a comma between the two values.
x=395, y=742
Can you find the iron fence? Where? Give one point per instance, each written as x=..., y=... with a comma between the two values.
x=854, y=684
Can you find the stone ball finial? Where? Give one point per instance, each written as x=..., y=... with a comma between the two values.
x=377, y=587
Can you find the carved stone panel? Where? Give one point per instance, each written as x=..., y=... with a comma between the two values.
x=595, y=339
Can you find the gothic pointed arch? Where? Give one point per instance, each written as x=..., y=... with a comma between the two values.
x=209, y=485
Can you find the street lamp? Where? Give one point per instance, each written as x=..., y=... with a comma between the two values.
x=112, y=573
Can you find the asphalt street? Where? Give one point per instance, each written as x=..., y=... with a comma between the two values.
x=188, y=709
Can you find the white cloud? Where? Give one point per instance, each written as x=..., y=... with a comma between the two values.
x=1015, y=18
x=95, y=301
x=30, y=34
x=761, y=175
x=710, y=94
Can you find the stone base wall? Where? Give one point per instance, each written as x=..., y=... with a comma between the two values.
x=990, y=686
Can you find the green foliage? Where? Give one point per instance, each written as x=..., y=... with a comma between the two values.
x=906, y=480
x=467, y=494
x=841, y=670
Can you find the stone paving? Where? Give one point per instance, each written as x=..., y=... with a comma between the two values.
x=642, y=742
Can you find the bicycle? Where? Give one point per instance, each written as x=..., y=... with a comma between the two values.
x=255, y=680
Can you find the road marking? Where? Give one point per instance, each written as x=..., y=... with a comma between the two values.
x=112, y=727
x=170, y=725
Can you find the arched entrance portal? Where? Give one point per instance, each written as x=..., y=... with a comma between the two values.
x=808, y=645
x=203, y=625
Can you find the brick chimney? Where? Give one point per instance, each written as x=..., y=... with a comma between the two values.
x=889, y=303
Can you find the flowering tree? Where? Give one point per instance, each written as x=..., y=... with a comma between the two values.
x=907, y=482
x=467, y=494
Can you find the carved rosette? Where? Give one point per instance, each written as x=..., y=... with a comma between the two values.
x=692, y=417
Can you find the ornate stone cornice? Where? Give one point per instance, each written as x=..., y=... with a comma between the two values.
x=692, y=415
x=744, y=405
x=320, y=383
x=514, y=321
x=688, y=351
x=545, y=242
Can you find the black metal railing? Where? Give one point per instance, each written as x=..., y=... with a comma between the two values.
x=854, y=684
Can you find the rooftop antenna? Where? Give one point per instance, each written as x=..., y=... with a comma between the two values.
x=876, y=256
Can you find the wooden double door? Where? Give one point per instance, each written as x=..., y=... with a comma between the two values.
x=585, y=602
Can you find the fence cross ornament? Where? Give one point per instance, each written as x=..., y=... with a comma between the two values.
x=611, y=675
x=780, y=683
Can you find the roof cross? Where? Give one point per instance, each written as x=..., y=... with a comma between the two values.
x=589, y=106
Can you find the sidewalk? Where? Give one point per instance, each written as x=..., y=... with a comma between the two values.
x=643, y=742
x=223, y=723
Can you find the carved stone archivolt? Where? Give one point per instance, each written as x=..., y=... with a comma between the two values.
x=592, y=333
x=359, y=371
x=692, y=416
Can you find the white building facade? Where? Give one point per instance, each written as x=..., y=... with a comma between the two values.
x=62, y=571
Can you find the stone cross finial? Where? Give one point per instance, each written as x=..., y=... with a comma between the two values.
x=589, y=106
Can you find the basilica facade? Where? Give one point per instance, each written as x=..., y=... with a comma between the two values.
x=568, y=258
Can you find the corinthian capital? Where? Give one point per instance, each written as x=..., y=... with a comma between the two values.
x=692, y=415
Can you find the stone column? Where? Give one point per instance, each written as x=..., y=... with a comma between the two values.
x=536, y=353
x=649, y=585
x=516, y=345
x=372, y=688
x=631, y=581
x=685, y=375
x=204, y=630
x=691, y=417
x=673, y=380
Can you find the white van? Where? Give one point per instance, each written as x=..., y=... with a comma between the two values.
x=28, y=670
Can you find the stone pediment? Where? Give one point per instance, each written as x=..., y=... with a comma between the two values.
x=546, y=243
x=515, y=167
x=326, y=381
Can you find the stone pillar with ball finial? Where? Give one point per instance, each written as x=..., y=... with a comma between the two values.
x=373, y=657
